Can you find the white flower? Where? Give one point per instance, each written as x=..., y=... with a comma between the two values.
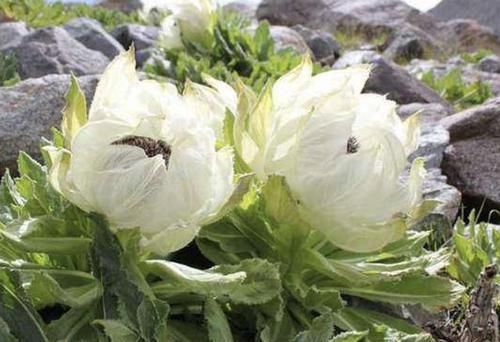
x=146, y=158
x=191, y=19
x=342, y=153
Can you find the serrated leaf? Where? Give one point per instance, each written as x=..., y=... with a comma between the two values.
x=218, y=325
x=262, y=282
x=44, y=234
x=117, y=331
x=321, y=300
x=320, y=331
x=350, y=336
x=277, y=331
x=125, y=289
x=75, y=112
x=432, y=292
x=178, y=278
x=382, y=333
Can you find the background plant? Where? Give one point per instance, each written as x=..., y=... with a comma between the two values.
x=453, y=88
x=235, y=52
x=38, y=13
x=8, y=70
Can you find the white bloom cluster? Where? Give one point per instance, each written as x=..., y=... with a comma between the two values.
x=342, y=153
x=147, y=155
x=147, y=158
x=189, y=20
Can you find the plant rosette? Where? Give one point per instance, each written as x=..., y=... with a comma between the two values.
x=300, y=244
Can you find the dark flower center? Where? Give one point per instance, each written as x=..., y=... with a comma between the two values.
x=352, y=145
x=150, y=146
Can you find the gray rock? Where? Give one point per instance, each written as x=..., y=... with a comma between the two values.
x=434, y=138
x=53, y=51
x=489, y=64
x=471, y=36
x=436, y=188
x=11, y=34
x=324, y=47
x=391, y=79
x=29, y=109
x=90, y=33
x=244, y=8
x=287, y=38
x=407, y=44
x=472, y=161
x=122, y=5
x=485, y=12
x=143, y=37
x=368, y=18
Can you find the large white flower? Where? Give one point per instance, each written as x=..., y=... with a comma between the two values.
x=342, y=152
x=146, y=158
x=191, y=19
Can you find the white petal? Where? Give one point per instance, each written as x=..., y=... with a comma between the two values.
x=170, y=239
x=115, y=82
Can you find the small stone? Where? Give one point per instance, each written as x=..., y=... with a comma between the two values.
x=324, y=47
x=489, y=64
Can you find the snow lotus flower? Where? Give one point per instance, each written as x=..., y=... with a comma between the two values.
x=146, y=157
x=190, y=19
x=341, y=152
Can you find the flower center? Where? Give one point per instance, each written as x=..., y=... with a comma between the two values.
x=352, y=145
x=150, y=146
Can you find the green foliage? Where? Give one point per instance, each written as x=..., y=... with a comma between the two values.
x=354, y=40
x=8, y=70
x=476, y=245
x=453, y=88
x=475, y=57
x=38, y=13
x=317, y=276
x=235, y=53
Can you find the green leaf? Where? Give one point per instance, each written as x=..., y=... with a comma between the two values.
x=323, y=300
x=17, y=312
x=178, y=279
x=5, y=334
x=262, y=282
x=127, y=296
x=181, y=331
x=218, y=326
x=284, y=329
x=383, y=333
x=74, y=325
x=357, y=319
x=117, y=331
x=320, y=331
x=75, y=112
x=350, y=336
x=432, y=292
x=44, y=234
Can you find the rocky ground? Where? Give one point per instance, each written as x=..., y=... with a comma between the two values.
x=402, y=44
